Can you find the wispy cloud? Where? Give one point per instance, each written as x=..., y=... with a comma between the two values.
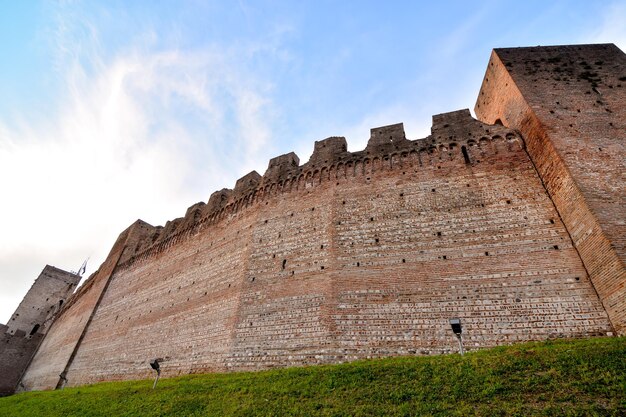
x=142, y=133
x=612, y=29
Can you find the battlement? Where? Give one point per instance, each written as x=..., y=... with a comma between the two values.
x=328, y=151
x=457, y=138
x=387, y=139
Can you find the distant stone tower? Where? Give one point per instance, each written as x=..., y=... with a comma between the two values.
x=45, y=297
x=21, y=336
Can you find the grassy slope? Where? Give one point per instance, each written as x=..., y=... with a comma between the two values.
x=560, y=378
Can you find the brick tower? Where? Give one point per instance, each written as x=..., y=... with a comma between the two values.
x=569, y=104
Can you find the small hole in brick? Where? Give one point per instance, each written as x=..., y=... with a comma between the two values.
x=371, y=219
x=552, y=221
x=266, y=221
x=433, y=190
x=556, y=246
x=358, y=264
x=292, y=272
x=508, y=201
x=577, y=278
x=344, y=202
x=274, y=256
x=312, y=208
x=284, y=263
x=228, y=285
x=252, y=279
x=322, y=267
x=377, y=240
x=401, y=194
x=403, y=261
x=438, y=233
x=321, y=246
x=445, y=257
x=486, y=253
x=517, y=300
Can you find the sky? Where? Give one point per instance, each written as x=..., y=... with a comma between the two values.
x=111, y=111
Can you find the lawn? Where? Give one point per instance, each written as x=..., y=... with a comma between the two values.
x=554, y=378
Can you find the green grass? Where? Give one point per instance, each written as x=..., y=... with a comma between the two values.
x=558, y=378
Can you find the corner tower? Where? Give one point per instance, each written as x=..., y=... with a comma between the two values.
x=45, y=297
x=569, y=104
x=21, y=336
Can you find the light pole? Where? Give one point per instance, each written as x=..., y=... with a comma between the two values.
x=455, y=323
x=63, y=377
x=155, y=365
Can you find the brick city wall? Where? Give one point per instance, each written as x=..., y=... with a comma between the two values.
x=58, y=349
x=351, y=255
x=516, y=226
x=569, y=103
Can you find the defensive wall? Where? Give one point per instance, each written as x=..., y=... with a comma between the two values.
x=366, y=254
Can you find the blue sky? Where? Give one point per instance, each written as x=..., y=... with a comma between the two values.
x=118, y=110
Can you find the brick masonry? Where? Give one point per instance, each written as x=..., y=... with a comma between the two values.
x=348, y=256
x=569, y=103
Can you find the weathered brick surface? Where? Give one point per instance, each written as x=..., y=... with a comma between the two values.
x=368, y=256
x=569, y=102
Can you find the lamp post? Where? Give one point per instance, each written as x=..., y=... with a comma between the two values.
x=455, y=323
x=155, y=365
x=63, y=377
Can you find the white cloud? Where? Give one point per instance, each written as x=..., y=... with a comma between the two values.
x=144, y=133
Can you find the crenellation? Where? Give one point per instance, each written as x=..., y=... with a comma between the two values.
x=357, y=164
x=281, y=168
x=246, y=184
x=328, y=151
x=217, y=201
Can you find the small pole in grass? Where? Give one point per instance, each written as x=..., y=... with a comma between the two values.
x=155, y=365
x=455, y=323
x=63, y=377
